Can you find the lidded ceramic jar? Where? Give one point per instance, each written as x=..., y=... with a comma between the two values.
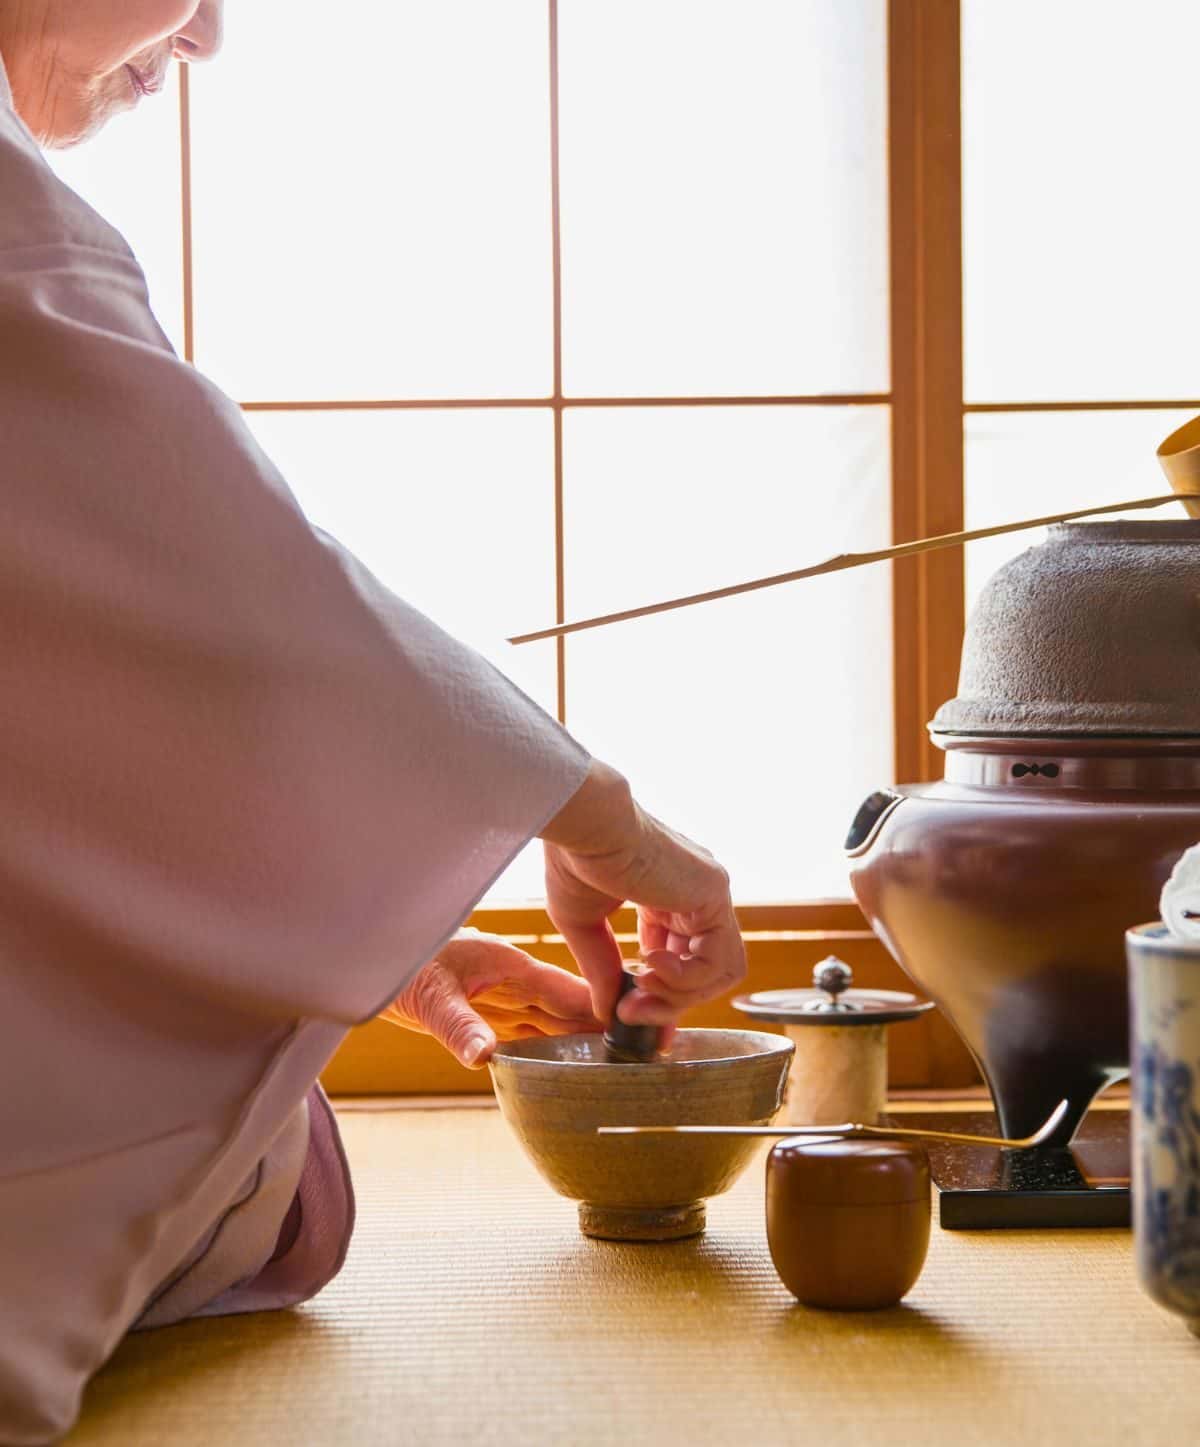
x=848, y=1220
x=839, y=1072
x=1072, y=784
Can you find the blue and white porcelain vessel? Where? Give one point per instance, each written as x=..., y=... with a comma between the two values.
x=1164, y=992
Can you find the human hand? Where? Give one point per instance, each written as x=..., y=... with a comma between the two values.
x=601, y=850
x=479, y=990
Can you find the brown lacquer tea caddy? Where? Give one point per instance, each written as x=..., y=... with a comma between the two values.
x=1072, y=784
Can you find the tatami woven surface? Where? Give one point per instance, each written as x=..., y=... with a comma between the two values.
x=471, y=1312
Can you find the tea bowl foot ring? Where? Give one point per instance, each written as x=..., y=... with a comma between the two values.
x=642, y=1223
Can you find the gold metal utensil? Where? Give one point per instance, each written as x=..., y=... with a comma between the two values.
x=849, y=1128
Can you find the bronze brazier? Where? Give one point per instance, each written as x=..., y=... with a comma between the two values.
x=1072, y=784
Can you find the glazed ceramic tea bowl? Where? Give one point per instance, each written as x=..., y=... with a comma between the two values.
x=554, y=1093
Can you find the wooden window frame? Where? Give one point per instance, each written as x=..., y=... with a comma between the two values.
x=925, y=186
x=784, y=939
x=925, y=396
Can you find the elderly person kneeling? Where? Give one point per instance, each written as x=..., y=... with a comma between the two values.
x=247, y=796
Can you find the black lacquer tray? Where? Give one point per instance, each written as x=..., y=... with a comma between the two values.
x=981, y=1187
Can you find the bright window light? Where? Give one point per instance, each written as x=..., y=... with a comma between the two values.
x=372, y=201
x=755, y=724
x=1080, y=213
x=724, y=197
x=372, y=222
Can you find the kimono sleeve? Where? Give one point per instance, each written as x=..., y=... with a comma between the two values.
x=232, y=759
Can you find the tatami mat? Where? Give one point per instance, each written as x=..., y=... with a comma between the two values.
x=471, y=1312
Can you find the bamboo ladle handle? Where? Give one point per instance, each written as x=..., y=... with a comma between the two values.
x=849, y=560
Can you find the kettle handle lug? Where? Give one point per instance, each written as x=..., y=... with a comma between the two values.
x=871, y=813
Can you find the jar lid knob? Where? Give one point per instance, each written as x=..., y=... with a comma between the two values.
x=833, y=976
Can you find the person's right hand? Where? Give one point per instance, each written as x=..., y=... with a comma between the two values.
x=602, y=850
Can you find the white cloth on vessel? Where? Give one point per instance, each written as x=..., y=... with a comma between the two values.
x=1179, y=904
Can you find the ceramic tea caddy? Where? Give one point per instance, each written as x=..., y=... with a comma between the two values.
x=1072, y=784
x=848, y=1220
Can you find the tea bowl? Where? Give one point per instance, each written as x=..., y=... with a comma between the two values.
x=555, y=1091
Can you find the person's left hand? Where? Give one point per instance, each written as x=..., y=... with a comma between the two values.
x=480, y=989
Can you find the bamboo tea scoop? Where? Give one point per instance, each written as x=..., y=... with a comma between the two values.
x=850, y=1128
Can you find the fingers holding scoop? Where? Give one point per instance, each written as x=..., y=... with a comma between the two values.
x=684, y=971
